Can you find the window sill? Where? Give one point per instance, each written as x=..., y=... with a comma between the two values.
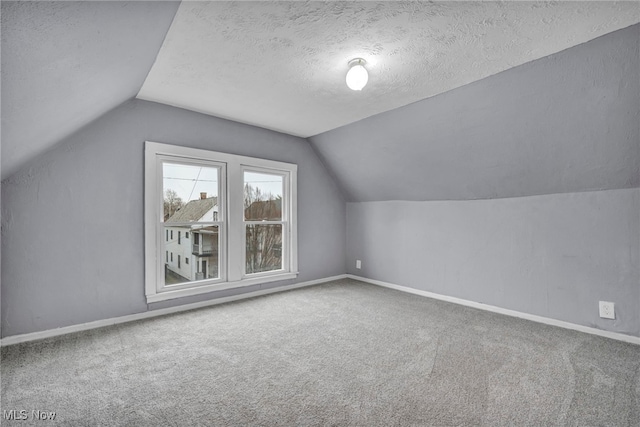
x=198, y=290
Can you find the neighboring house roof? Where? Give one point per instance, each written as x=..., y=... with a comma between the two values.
x=264, y=210
x=194, y=210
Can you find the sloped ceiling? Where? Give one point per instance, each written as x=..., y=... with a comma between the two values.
x=565, y=123
x=65, y=64
x=281, y=65
x=278, y=65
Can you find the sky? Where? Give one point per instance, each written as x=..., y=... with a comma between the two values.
x=188, y=181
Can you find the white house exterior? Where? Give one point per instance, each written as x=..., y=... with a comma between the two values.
x=191, y=245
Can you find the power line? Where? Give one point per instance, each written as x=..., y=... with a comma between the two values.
x=190, y=179
x=195, y=183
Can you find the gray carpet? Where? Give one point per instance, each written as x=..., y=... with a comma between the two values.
x=343, y=353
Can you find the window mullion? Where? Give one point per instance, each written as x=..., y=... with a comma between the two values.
x=235, y=203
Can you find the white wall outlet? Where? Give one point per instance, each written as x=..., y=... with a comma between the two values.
x=358, y=264
x=607, y=310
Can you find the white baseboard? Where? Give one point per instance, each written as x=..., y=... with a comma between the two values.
x=16, y=339
x=540, y=319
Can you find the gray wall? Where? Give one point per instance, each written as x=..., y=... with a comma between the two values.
x=564, y=123
x=72, y=219
x=554, y=256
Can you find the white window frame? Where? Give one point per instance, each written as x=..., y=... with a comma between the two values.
x=231, y=221
x=284, y=220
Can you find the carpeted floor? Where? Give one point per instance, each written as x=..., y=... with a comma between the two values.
x=343, y=353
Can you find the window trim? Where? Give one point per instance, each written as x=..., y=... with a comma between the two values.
x=284, y=220
x=160, y=159
x=231, y=247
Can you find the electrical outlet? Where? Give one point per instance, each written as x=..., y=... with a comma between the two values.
x=607, y=310
x=358, y=264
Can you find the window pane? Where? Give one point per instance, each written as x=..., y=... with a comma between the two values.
x=264, y=247
x=190, y=193
x=262, y=196
x=200, y=254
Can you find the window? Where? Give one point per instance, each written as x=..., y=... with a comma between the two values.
x=240, y=212
x=263, y=220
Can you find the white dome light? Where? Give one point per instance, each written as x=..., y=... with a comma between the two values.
x=357, y=76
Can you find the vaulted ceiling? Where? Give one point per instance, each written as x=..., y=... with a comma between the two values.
x=565, y=123
x=277, y=65
x=282, y=65
x=65, y=64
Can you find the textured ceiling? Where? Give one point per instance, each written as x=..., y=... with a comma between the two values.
x=281, y=65
x=565, y=123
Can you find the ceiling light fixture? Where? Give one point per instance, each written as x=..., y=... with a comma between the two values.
x=357, y=76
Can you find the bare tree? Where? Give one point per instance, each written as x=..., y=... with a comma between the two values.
x=172, y=202
x=264, y=241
